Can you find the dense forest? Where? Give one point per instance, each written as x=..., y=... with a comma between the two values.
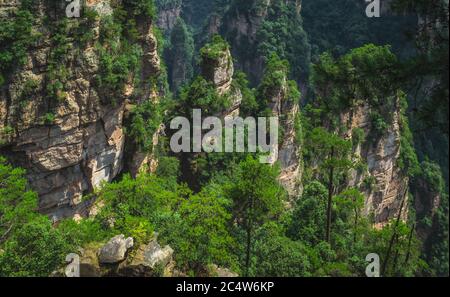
x=363, y=161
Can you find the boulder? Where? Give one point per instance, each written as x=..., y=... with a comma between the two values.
x=115, y=250
x=155, y=255
x=149, y=260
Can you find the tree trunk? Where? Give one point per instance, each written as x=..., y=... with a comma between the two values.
x=249, y=235
x=355, y=226
x=247, y=256
x=408, y=254
x=330, y=198
x=391, y=243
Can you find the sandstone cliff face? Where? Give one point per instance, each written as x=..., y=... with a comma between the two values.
x=289, y=153
x=82, y=144
x=241, y=27
x=388, y=184
x=168, y=15
x=220, y=70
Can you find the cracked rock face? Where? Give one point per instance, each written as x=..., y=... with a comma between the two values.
x=220, y=71
x=289, y=150
x=82, y=144
x=385, y=197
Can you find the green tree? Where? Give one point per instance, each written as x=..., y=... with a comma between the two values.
x=36, y=249
x=31, y=246
x=309, y=214
x=257, y=196
x=18, y=204
x=349, y=205
x=201, y=234
x=333, y=156
x=280, y=256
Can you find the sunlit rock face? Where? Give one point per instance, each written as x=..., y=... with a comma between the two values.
x=70, y=146
x=390, y=185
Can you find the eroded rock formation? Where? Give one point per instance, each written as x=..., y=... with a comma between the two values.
x=69, y=146
x=384, y=183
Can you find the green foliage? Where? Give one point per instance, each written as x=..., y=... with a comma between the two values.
x=256, y=194
x=202, y=94
x=169, y=170
x=358, y=136
x=145, y=121
x=130, y=200
x=48, y=118
x=282, y=33
x=32, y=247
x=309, y=215
x=57, y=72
x=379, y=125
x=367, y=74
x=404, y=259
x=349, y=223
x=216, y=49
x=16, y=36
x=118, y=59
x=275, y=79
x=329, y=149
x=203, y=236
x=408, y=160
x=36, y=249
x=17, y=203
x=257, y=197
x=279, y=256
x=144, y=8
x=249, y=105
x=432, y=174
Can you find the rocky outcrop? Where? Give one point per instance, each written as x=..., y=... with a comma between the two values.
x=290, y=152
x=384, y=183
x=68, y=146
x=168, y=15
x=155, y=255
x=287, y=110
x=219, y=69
x=119, y=258
x=115, y=250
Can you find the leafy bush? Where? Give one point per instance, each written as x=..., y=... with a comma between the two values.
x=36, y=249
x=215, y=49
x=32, y=247
x=145, y=121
